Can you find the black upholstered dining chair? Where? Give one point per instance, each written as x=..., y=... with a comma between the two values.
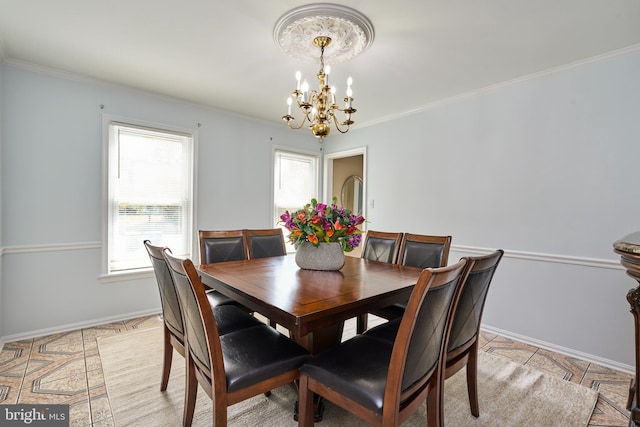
x=422, y=251
x=384, y=382
x=221, y=245
x=462, y=348
x=172, y=313
x=265, y=243
x=229, y=367
x=379, y=246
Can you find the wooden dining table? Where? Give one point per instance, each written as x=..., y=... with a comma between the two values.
x=312, y=305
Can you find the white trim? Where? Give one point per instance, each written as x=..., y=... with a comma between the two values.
x=52, y=247
x=489, y=329
x=144, y=273
x=67, y=75
x=534, y=256
x=108, y=84
x=561, y=350
x=328, y=174
x=293, y=150
x=192, y=133
x=530, y=256
x=76, y=326
x=195, y=242
x=455, y=98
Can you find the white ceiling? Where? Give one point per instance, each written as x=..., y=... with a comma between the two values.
x=222, y=53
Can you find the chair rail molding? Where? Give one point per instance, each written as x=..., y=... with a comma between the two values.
x=51, y=247
x=535, y=256
x=531, y=256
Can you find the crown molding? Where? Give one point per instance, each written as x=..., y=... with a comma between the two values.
x=629, y=50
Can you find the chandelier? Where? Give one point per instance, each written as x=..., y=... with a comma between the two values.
x=341, y=33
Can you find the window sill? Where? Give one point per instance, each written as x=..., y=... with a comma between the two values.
x=127, y=276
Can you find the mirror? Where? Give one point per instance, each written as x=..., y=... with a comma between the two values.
x=351, y=197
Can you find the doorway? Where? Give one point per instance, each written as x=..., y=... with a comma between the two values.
x=347, y=170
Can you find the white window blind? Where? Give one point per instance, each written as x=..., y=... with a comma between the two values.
x=150, y=194
x=295, y=182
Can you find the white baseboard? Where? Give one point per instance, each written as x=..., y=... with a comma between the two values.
x=517, y=337
x=562, y=350
x=74, y=326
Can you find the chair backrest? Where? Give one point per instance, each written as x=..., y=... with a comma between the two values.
x=265, y=243
x=468, y=315
x=190, y=289
x=171, y=312
x=424, y=251
x=221, y=245
x=382, y=246
x=419, y=349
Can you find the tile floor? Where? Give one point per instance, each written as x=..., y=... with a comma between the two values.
x=65, y=368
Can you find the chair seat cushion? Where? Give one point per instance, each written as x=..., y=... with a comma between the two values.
x=386, y=331
x=258, y=353
x=391, y=311
x=216, y=298
x=344, y=369
x=230, y=318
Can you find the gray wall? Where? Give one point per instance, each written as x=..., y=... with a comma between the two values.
x=52, y=192
x=544, y=168
x=1, y=248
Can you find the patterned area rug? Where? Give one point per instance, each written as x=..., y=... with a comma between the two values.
x=509, y=394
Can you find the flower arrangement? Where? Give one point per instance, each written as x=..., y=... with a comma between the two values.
x=318, y=222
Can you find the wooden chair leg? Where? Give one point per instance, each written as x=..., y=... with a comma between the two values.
x=472, y=380
x=305, y=403
x=220, y=412
x=190, y=392
x=362, y=322
x=168, y=356
x=435, y=407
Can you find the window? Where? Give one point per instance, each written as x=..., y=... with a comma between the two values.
x=150, y=194
x=295, y=182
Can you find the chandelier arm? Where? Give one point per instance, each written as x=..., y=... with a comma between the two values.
x=336, y=122
x=305, y=116
x=337, y=125
x=295, y=127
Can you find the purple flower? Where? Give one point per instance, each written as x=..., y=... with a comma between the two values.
x=354, y=240
x=321, y=209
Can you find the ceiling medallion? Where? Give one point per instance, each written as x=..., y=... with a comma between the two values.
x=350, y=31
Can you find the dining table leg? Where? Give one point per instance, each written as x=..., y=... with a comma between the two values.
x=320, y=340
x=316, y=342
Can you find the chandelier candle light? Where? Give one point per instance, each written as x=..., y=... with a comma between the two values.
x=319, y=107
x=339, y=32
